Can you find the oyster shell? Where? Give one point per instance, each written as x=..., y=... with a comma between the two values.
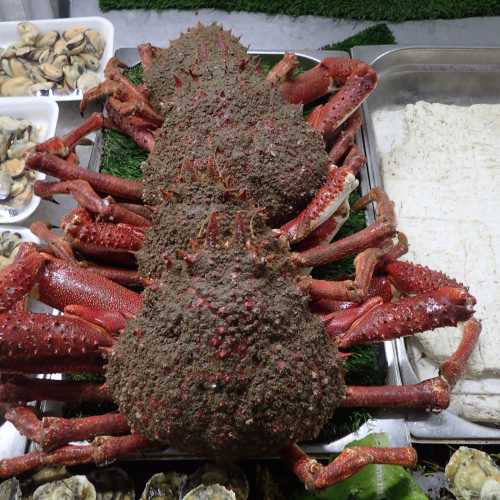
x=230, y=476
x=112, y=483
x=472, y=475
x=164, y=486
x=10, y=489
x=211, y=492
x=72, y=488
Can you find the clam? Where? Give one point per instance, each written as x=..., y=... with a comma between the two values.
x=42, y=87
x=19, y=148
x=72, y=488
x=59, y=47
x=14, y=127
x=46, y=56
x=16, y=87
x=10, y=489
x=76, y=45
x=72, y=73
x=211, y=492
x=4, y=144
x=49, y=39
x=90, y=61
x=72, y=32
x=14, y=167
x=28, y=53
x=51, y=72
x=60, y=60
x=8, y=242
x=28, y=32
x=96, y=42
x=87, y=81
x=18, y=186
x=164, y=486
x=8, y=52
x=5, y=185
x=14, y=67
x=112, y=483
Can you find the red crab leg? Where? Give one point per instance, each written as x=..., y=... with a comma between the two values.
x=104, y=89
x=79, y=225
x=354, y=160
x=125, y=277
x=102, y=254
x=325, y=233
x=52, y=432
x=351, y=290
x=147, y=53
x=61, y=248
x=18, y=278
x=63, y=146
x=122, y=122
x=317, y=476
x=283, y=69
x=43, y=343
x=87, y=198
x=102, y=183
x=432, y=394
x=101, y=450
x=17, y=388
x=383, y=228
x=62, y=284
x=339, y=184
x=426, y=311
x=112, y=322
x=345, y=138
x=338, y=322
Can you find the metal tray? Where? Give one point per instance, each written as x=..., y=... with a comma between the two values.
x=461, y=76
x=390, y=422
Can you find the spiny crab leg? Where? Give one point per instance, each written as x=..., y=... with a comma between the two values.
x=101, y=450
x=57, y=245
x=383, y=228
x=410, y=315
x=339, y=184
x=345, y=138
x=18, y=388
x=57, y=167
x=433, y=394
x=317, y=476
x=52, y=432
x=64, y=146
x=282, y=70
x=87, y=198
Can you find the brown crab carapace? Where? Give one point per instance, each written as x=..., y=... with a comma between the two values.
x=232, y=349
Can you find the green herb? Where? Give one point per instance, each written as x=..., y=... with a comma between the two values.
x=373, y=10
x=135, y=74
x=121, y=156
x=373, y=482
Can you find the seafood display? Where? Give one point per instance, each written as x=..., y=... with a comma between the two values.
x=41, y=62
x=232, y=349
x=16, y=181
x=209, y=482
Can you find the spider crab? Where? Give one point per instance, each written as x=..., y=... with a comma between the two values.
x=231, y=349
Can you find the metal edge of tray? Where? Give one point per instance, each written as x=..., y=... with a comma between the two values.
x=390, y=422
x=423, y=427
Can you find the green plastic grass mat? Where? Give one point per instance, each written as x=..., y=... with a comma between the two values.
x=380, y=34
x=369, y=10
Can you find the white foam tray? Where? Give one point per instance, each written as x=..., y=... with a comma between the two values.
x=8, y=35
x=43, y=114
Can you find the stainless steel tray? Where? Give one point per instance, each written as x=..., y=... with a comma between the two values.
x=387, y=421
x=447, y=75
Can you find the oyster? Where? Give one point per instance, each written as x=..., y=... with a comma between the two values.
x=112, y=483
x=72, y=488
x=472, y=475
x=10, y=490
x=164, y=486
x=230, y=476
x=212, y=492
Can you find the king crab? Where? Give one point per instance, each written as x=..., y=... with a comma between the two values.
x=231, y=348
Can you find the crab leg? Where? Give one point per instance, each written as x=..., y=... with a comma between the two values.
x=17, y=388
x=345, y=138
x=432, y=394
x=317, y=476
x=125, y=277
x=52, y=432
x=102, y=183
x=282, y=70
x=100, y=450
x=426, y=311
x=339, y=184
x=43, y=343
x=64, y=146
x=60, y=247
x=354, y=159
x=87, y=198
x=383, y=228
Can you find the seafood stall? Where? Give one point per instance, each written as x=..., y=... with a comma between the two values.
x=201, y=300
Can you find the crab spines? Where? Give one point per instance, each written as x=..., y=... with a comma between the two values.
x=212, y=232
x=241, y=229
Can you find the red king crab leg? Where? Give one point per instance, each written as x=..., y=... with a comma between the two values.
x=345, y=138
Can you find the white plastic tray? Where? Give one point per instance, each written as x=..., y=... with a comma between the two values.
x=8, y=35
x=42, y=113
